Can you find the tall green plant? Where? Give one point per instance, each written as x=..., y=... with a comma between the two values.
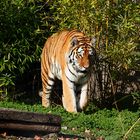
x=26, y=24
x=21, y=39
x=115, y=23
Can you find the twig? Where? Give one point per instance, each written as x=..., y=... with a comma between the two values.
x=125, y=136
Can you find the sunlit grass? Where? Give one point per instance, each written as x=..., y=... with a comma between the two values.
x=110, y=124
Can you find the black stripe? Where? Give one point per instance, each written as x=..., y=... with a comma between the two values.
x=44, y=74
x=46, y=82
x=71, y=71
x=44, y=68
x=70, y=80
x=49, y=91
x=84, y=71
x=71, y=53
x=51, y=79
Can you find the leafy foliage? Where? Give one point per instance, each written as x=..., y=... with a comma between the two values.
x=26, y=24
x=21, y=39
x=115, y=23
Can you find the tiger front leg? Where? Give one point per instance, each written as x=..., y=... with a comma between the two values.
x=69, y=98
x=83, y=97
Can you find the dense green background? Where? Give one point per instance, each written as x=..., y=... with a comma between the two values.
x=25, y=25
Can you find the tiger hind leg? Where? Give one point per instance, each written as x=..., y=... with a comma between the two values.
x=47, y=87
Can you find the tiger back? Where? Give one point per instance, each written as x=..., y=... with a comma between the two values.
x=67, y=55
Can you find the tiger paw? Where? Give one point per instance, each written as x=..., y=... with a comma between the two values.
x=72, y=110
x=46, y=104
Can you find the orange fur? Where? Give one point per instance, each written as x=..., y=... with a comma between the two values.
x=55, y=63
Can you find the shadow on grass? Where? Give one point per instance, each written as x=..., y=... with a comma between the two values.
x=29, y=84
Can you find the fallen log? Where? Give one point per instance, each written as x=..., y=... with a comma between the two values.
x=11, y=119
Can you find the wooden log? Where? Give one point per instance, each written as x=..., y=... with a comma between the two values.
x=29, y=127
x=12, y=114
x=20, y=120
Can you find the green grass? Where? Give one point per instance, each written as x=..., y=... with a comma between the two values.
x=110, y=124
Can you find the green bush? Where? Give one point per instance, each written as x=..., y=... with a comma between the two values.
x=23, y=33
x=115, y=23
x=26, y=24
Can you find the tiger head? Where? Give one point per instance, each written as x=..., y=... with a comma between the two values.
x=82, y=53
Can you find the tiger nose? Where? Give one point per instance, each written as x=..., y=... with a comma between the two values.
x=86, y=64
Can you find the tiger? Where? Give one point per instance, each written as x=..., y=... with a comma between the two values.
x=67, y=56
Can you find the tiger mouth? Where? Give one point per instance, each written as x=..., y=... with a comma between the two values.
x=83, y=71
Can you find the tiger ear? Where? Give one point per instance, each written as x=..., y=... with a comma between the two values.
x=93, y=41
x=74, y=41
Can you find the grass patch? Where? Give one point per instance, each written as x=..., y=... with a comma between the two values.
x=110, y=124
